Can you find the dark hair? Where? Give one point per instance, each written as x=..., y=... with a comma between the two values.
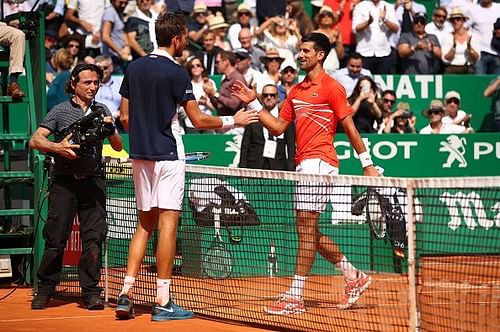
x=226, y=55
x=189, y=66
x=75, y=75
x=320, y=42
x=356, y=91
x=167, y=26
x=354, y=55
x=390, y=92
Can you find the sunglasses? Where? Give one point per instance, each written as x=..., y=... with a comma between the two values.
x=196, y=65
x=73, y=46
x=421, y=22
x=435, y=112
x=270, y=95
x=439, y=16
x=244, y=14
x=389, y=101
x=456, y=19
x=453, y=100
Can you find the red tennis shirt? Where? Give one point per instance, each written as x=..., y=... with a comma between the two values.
x=316, y=106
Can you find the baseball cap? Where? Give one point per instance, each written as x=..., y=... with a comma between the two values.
x=452, y=94
x=241, y=53
x=288, y=63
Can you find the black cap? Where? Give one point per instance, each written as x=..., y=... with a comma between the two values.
x=241, y=53
x=420, y=16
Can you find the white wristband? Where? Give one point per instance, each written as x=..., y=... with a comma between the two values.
x=227, y=122
x=365, y=159
x=255, y=105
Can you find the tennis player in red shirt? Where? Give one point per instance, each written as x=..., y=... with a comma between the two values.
x=316, y=106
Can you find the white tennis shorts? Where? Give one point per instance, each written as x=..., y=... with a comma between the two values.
x=313, y=196
x=159, y=184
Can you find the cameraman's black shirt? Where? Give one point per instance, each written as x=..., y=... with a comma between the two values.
x=57, y=121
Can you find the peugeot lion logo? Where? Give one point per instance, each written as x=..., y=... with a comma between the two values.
x=455, y=146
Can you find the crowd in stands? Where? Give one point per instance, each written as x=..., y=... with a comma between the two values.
x=258, y=41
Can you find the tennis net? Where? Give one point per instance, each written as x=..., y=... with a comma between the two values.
x=431, y=246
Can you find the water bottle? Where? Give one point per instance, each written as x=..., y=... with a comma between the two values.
x=272, y=260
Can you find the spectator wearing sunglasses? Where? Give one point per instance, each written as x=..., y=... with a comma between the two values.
x=435, y=114
x=454, y=114
x=109, y=92
x=198, y=24
x=439, y=26
x=244, y=16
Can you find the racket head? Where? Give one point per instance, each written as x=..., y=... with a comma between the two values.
x=217, y=262
x=375, y=215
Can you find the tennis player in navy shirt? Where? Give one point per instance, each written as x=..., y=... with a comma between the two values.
x=153, y=89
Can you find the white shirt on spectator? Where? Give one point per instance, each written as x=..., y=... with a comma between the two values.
x=374, y=40
x=349, y=82
x=432, y=29
x=481, y=21
x=461, y=54
x=198, y=93
x=458, y=119
x=446, y=128
x=109, y=94
x=90, y=11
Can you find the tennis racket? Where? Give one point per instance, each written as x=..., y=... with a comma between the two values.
x=192, y=157
x=218, y=261
x=375, y=215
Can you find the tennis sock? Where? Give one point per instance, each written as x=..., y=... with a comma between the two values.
x=162, y=291
x=297, y=288
x=347, y=269
x=128, y=283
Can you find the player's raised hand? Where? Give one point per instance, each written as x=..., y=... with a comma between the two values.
x=240, y=90
x=243, y=118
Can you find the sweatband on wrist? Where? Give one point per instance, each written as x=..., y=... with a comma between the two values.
x=255, y=105
x=365, y=159
x=227, y=122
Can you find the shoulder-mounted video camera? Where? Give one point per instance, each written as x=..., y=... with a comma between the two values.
x=89, y=130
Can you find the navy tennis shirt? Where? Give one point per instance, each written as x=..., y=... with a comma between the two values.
x=155, y=86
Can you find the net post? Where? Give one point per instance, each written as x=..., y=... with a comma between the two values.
x=412, y=281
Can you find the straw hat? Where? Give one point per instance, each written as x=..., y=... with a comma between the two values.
x=272, y=53
x=436, y=104
x=217, y=22
x=244, y=8
x=325, y=9
x=200, y=7
x=457, y=12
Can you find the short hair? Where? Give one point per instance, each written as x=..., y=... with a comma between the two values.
x=354, y=55
x=168, y=26
x=101, y=58
x=443, y=8
x=270, y=85
x=320, y=42
x=75, y=75
x=389, y=92
x=227, y=55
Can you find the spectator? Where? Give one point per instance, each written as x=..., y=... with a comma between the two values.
x=289, y=79
x=243, y=61
x=435, y=114
x=57, y=93
x=15, y=40
x=225, y=103
x=198, y=75
x=259, y=148
x=209, y=52
x=272, y=62
x=495, y=39
x=439, y=26
x=406, y=13
x=374, y=22
x=215, y=7
x=366, y=113
x=349, y=76
x=483, y=16
x=219, y=27
x=281, y=34
x=114, y=40
x=344, y=10
x=245, y=38
x=461, y=47
x=267, y=9
x=326, y=22
x=198, y=23
x=74, y=44
x=109, y=92
x=420, y=52
x=85, y=16
x=452, y=108
x=386, y=105
x=140, y=29
x=295, y=10
x=244, y=16
x=493, y=90
x=402, y=121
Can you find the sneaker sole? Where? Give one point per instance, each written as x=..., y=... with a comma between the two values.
x=124, y=314
x=361, y=291
x=161, y=319
x=284, y=312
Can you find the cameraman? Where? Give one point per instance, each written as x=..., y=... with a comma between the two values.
x=77, y=186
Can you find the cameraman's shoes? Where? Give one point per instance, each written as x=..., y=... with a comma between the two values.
x=94, y=302
x=40, y=301
x=169, y=311
x=124, y=308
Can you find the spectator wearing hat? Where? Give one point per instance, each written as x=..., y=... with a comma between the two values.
x=198, y=23
x=280, y=33
x=493, y=90
x=406, y=12
x=349, y=75
x=272, y=62
x=483, y=16
x=435, y=114
x=243, y=65
x=209, y=52
x=140, y=29
x=452, y=107
x=225, y=103
x=219, y=27
x=327, y=20
x=215, y=7
x=244, y=16
x=461, y=47
x=246, y=40
x=402, y=121
x=374, y=22
x=420, y=52
x=289, y=78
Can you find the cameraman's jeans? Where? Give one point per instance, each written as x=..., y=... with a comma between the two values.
x=68, y=196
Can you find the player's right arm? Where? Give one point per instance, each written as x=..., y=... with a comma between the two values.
x=276, y=125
